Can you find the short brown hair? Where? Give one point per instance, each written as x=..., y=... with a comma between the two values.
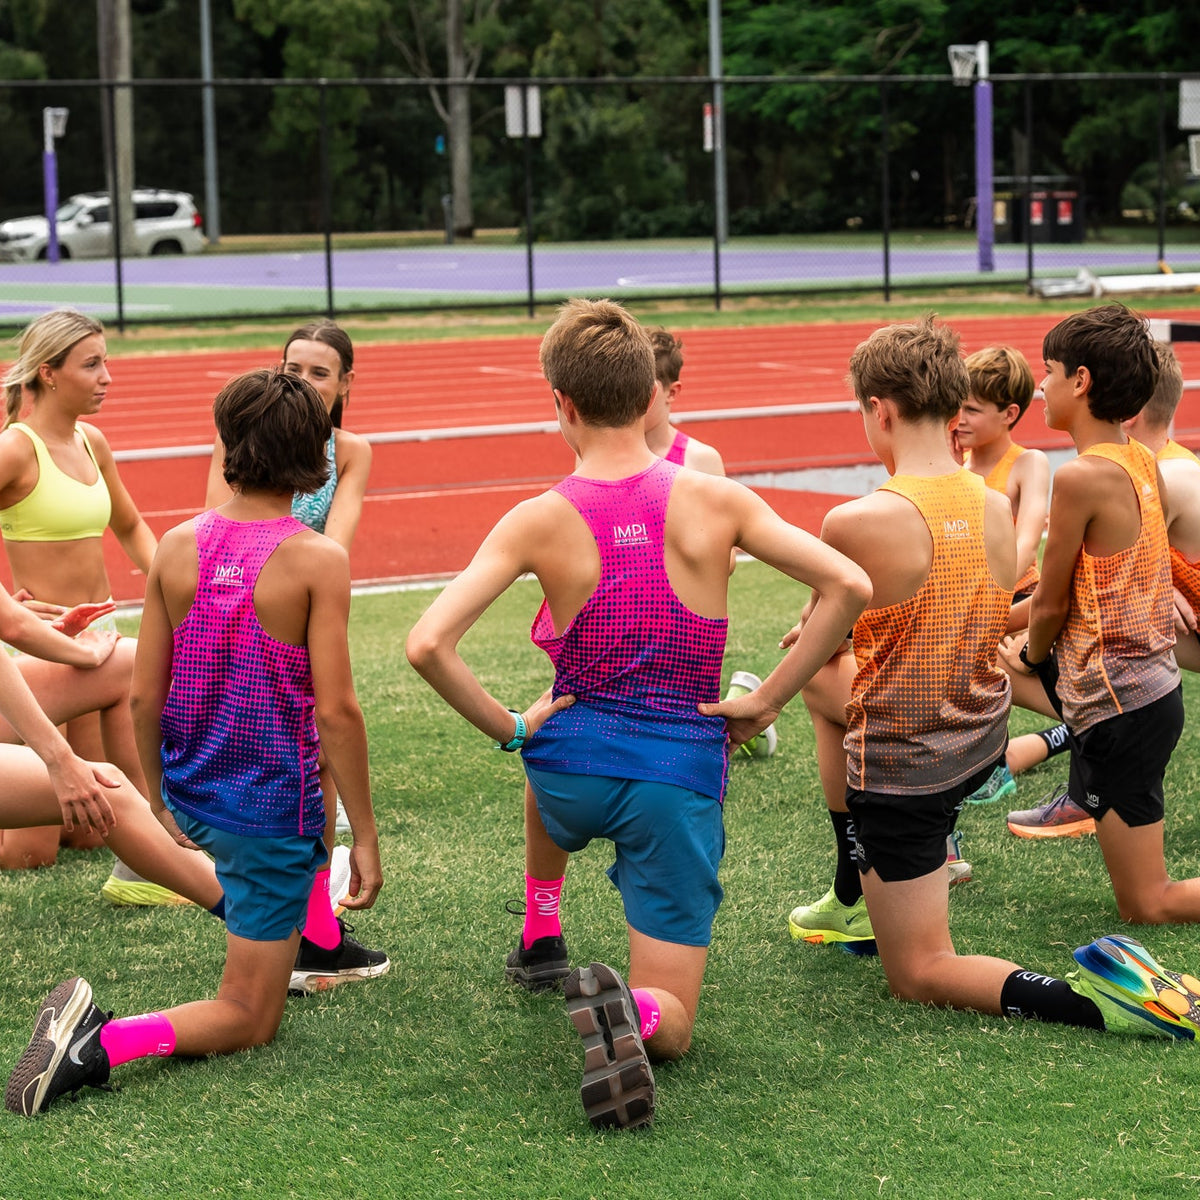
x=1114, y=343
x=1001, y=375
x=917, y=366
x=599, y=356
x=668, y=356
x=1168, y=391
x=275, y=428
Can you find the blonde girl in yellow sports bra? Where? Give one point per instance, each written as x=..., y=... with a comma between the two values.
x=59, y=491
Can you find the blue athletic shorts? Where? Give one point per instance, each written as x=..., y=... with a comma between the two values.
x=267, y=880
x=668, y=840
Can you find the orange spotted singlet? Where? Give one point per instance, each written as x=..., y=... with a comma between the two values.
x=929, y=706
x=1114, y=650
x=1185, y=574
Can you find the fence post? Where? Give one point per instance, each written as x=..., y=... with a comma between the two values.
x=528, y=195
x=326, y=200
x=114, y=210
x=1028, y=198
x=1162, y=174
x=886, y=185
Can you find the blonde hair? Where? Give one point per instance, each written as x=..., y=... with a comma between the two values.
x=1164, y=400
x=46, y=340
x=1001, y=375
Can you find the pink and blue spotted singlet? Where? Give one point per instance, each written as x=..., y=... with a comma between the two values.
x=635, y=659
x=239, y=738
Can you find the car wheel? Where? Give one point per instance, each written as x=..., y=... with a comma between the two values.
x=168, y=247
x=44, y=253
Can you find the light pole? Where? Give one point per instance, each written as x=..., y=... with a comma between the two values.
x=54, y=125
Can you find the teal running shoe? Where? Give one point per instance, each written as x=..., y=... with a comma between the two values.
x=999, y=786
x=1133, y=993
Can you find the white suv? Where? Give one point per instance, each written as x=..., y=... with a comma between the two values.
x=164, y=223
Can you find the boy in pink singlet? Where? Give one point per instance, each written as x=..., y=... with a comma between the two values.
x=628, y=746
x=242, y=658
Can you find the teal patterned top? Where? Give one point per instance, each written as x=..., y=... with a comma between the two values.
x=313, y=507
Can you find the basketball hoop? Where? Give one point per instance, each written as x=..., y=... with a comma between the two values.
x=962, y=63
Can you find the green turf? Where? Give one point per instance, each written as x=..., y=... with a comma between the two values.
x=805, y=1079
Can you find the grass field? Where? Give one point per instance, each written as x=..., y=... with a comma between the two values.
x=805, y=1079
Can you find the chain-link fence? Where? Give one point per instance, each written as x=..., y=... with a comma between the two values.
x=339, y=196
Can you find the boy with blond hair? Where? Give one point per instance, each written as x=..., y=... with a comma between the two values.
x=927, y=719
x=1002, y=389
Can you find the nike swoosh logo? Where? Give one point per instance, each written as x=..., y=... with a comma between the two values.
x=73, y=1053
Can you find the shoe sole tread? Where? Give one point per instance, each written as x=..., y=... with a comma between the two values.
x=617, y=1089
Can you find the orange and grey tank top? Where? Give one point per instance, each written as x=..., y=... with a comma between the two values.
x=1185, y=574
x=1114, y=650
x=60, y=508
x=929, y=707
x=997, y=480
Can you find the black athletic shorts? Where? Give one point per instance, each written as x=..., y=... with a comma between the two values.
x=904, y=837
x=1120, y=763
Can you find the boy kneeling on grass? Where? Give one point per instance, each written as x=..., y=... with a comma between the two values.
x=927, y=719
x=632, y=553
x=1102, y=622
x=242, y=657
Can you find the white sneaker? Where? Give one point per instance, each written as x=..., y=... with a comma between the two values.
x=762, y=746
x=339, y=878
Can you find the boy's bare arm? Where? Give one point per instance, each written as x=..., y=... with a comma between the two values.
x=507, y=553
x=339, y=718
x=1031, y=474
x=151, y=685
x=841, y=589
x=1071, y=511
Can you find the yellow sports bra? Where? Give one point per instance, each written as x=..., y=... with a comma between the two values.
x=60, y=508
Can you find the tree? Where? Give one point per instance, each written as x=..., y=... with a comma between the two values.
x=461, y=42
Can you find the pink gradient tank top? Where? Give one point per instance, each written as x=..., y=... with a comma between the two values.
x=239, y=738
x=635, y=658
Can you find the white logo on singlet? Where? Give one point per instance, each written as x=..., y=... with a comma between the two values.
x=231, y=576
x=630, y=535
x=956, y=530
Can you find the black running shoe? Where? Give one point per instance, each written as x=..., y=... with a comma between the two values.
x=64, y=1053
x=540, y=968
x=618, y=1084
x=318, y=970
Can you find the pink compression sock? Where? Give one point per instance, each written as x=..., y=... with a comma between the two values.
x=648, y=1011
x=541, y=909
x=320, y=925
x=149, y=1036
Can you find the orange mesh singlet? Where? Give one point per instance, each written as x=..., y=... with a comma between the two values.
x=1114, y=651
x=929, y=706
x=1185, y=574
x=997, y=480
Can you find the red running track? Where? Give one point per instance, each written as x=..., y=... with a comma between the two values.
x=431, y=502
